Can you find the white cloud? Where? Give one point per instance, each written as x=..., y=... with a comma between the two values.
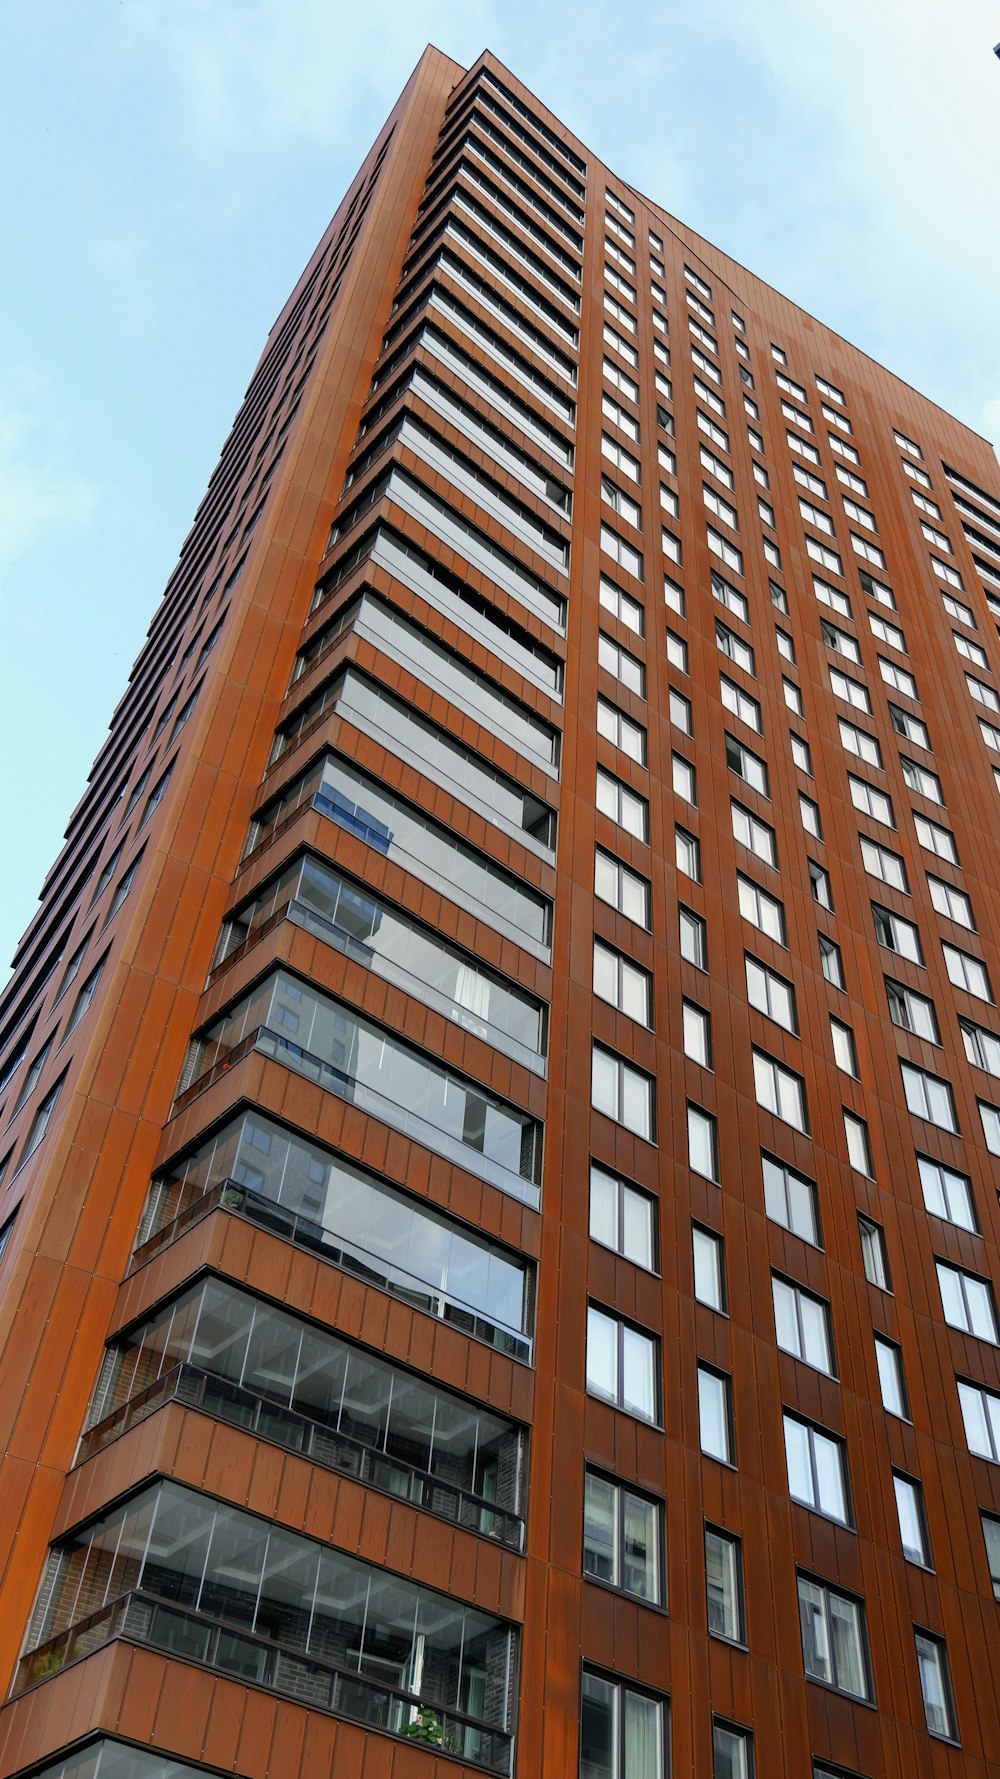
x=39, y=497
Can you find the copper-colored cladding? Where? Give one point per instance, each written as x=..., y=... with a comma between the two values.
x=68, y=1282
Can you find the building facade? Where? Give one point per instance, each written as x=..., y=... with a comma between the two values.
x=500, y=1100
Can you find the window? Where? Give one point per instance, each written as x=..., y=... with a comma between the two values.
x=715, y=1414
x=626, y=557
x=693, y=938
x=621, y=1731
x=726, y=552
x=955, y=609
x=790, y=1199
x=680, y=711
x=697, y=1030
x=833, y=1638
x=868, y=552
x=840, y=642
x=991, y=1537
x=622, y=1217
x=912, y=1012
x=817, y=1472
x=7, y=1228
x=809, y=813
x=683, y=779
x=123, y=889
x=86, y=996
x=732, y=1751
x=621, y=731
x=623, y=805
x=870, y=800
x=814, y=515
x=622, y=1092
x=802, y=1324
x=908, y=446
x=762, y=910
x=620, y=380
x=618, y=980
x=971, y=651
x=621, y=1538
x=929, y=1096
x=780, y=1090
x=819, y=883
x=844, y=1053
x=703, y=1142
x=873, y=1255
x=967, y=1301
x=802, y=446
x=801, y=756
x=982, y=1047
x=947, y=1194
x=713, y=432
x=618, y=343
x=910, y=726
x=881, y=862
x=622, y=504
x=848, y=479
x=42, y=1119
x=622, y=1364
x=771, y=994
x=746, y=765
x=732, y=645
x=830, y=596
x=709, y=1268
x=981, y=1414
x=793, y=697
x=858, y=1145
x=622, y=606
x=754, y=834
x=677, y=651
x=936, y=839
x=621, y=888
x=786, y=646
x=687, y=853
x=935, y=1685
x=892, y=1384
x=850, y=690
x=624, y=667
x=740, y=703
x=967, y=972
x=926, y=784
x=831, y=962
x=821, y=553
x=912, y=1524
x=724, y=1583
x=953, y=903
x=897, y=677
x=715, y=467
x=860, y=515
x=709, y=397
x=896, y=934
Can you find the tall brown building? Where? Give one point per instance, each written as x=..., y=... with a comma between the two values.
x=501, y=1096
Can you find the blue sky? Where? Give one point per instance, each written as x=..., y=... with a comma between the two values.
x=170, y=164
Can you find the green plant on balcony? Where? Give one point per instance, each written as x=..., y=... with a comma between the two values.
x=426, y=1727
x=48, y=1662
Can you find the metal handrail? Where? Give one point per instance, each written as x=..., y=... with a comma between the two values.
x=192, y=1385
x=145, y=1618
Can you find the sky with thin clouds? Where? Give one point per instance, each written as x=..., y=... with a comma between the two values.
x=170, y=164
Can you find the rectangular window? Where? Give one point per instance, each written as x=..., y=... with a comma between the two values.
x=929, y=1096
x=873, y=1254
x=831, y=962
x=732, y=1751
x=680, y=711
x=981, y=1414
x=780, y=1090
x=947, y=1194
x=850, y=690
x=626, y=668
x=790, y=1199
x=896, y=934
x=726, y=552
x=715, y=1418
x=622, y=1364
x=687, y=854
x=622, y=1217
x=762, y=910
x=622, y=888
x=709, y=1268
x=910, y=726
x=724, y=1584
x=623, y=983
x=860, y=743
x=833, y=1638
x=621, y=731
x=622, y=606
x=967, y=1301
x=703, y=1143
x=747, y=765
x=844, y=1052
x=734, y=647
x=935, y=1685
x=881, y=862
x=622, y=1731
x=740, y=703
x=693, y=938
x=771, y=994
x=871, y=801
x=924, y=783
x=622, y=1092
x=624, y=554
x=622, y=1536
x=696, y=1027
x=623, y=805
x=933, y=838
x=892, y=1384
x=912, y=1524
x=754, y=834
x=830, y=596
x=953, y=903
x=683, y=779
x=802, y=1324
x=991, y=1538
x=817, y=1469
x=967, y=972
x=912, y=1012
